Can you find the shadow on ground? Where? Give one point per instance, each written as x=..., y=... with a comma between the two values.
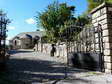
x=19, y=51
x=36, y=71
x=26, y=71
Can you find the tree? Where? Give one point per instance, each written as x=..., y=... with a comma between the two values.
x=82, y=20
x=3, y=24
x=53, y=18
x=94, y=3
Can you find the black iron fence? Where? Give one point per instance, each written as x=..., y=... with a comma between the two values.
x=86, y=49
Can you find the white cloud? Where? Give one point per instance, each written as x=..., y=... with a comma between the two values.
x=30, y=21
x=11, y=27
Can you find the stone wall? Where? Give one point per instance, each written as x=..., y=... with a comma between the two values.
x=61, y=51
x=103, y=15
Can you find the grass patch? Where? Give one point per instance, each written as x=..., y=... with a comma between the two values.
x=95, y=73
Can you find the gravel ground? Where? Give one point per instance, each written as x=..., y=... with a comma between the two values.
x=28, y=67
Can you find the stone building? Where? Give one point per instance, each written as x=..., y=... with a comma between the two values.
x=25, y=40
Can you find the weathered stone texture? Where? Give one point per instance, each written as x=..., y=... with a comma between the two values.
x=108, y=71
x=103, y=16
x=107, y=59
x=107, y=52
x=102, y=22
x=106, y=40
x=110, y=9
x=108, y=65
x=105, y=32
x=107, y=46
x=105, y=26
x=99, y=13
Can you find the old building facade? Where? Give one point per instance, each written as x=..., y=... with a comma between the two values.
x=25, y=40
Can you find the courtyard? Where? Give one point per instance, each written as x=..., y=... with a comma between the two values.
x=29, y=67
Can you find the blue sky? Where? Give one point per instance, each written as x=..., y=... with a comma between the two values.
x=22, y=12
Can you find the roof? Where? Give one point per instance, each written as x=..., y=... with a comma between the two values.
x=26, y=36
x=29, y=34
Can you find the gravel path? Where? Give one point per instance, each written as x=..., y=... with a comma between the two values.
x=28, y=67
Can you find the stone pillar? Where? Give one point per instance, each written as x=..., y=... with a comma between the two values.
x=103, y=15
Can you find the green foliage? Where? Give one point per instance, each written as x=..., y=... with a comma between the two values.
x=94, y=3
x=82, y=20
x=53, y=19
